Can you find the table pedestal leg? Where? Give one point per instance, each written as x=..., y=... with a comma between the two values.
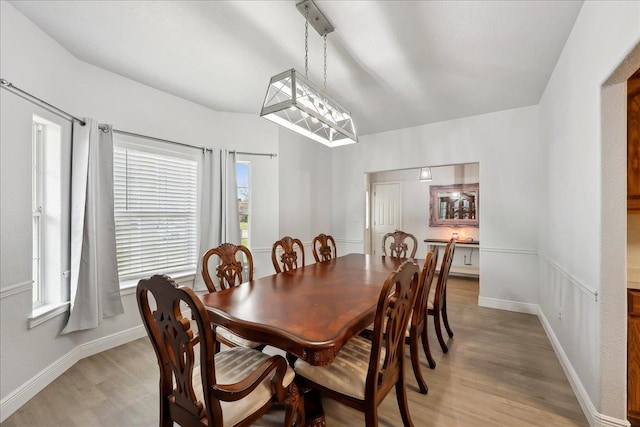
x=313, y=410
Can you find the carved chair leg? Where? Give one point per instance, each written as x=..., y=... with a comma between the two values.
x=436, y=321
x=415, y=363
x=446, y=319
x=165, y=417
x=371, y=416
x=403, y=404
x=294, y=407
x=426, y=348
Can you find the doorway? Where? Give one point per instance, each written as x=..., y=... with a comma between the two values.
x=387, y=212
x=633, y=247
x=613, y=235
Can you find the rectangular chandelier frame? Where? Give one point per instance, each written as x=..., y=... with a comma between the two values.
x=296, y=103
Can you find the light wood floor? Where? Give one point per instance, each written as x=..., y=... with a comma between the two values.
x=500, y=371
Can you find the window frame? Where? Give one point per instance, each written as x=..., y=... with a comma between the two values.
x=37, y=141
x=127, y=285
x=51, y=217
x=248, y=164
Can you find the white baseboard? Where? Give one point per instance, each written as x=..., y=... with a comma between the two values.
x=518, y=307
x=594, y=418
x=110, y=341
x=28, y=390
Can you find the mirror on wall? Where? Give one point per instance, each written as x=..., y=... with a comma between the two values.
x=454, y=205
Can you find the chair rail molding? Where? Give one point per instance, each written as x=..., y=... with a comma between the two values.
x=16, y=288
x=593, y=294
x=509, y=250
x=352, y=241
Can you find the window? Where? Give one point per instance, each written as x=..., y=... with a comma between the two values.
x=37, y=142
x=242, y=178
x=155, y=197
x=50, y=188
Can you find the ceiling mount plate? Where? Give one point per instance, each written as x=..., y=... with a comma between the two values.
x=316, y=17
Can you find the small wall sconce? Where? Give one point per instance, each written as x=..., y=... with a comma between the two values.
x=425, y=174
x=454, y=236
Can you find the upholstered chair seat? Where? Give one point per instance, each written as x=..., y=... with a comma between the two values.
x=348, y=372
x=231, y=339
x=233, y=366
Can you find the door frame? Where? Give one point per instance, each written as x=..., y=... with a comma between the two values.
x=372, y=210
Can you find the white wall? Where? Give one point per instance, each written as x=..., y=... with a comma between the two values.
x=575, y=245
x=506, y=145
x=305, y=191
x=33, y=61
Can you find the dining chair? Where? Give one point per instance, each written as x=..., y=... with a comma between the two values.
x=437, y=305
x=289, y=255
x=230, y=268
x=324, y=247
x=398, y=247
x=236, y=387
x=364, y=371
x=229, y=272
x=417, y=329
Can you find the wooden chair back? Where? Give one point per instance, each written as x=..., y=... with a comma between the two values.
x=439, y=302
x=324, y=247
x=443, y=276
x=418, y=326
x=174, y=342
x=419, y=315
x=290, y=248
x=230, y=268
x=396, y=301
x=398, y=248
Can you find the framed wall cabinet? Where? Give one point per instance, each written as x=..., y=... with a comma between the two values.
x=455, y=205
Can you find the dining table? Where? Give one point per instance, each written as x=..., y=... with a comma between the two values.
x=309, y=312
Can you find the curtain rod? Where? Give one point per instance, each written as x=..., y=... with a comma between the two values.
x=246, y=153
x=153, y=138
x=29, y=97
x=124, y=132
x=32, y=98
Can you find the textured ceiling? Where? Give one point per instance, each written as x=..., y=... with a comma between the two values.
x=394, y=64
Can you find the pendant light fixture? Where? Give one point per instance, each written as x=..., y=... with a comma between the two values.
x=425, y=174
x=296, y=103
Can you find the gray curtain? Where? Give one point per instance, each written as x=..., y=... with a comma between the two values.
x=95, y=288
x=218, y=218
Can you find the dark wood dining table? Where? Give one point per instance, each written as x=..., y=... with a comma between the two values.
x=309, y=312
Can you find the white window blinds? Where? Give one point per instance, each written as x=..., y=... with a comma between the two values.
x=155, y=213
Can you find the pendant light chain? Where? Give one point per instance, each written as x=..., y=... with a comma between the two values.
x=325, y=61
x=306, y=40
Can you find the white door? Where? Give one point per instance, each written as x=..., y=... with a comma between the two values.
x=387, y=201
